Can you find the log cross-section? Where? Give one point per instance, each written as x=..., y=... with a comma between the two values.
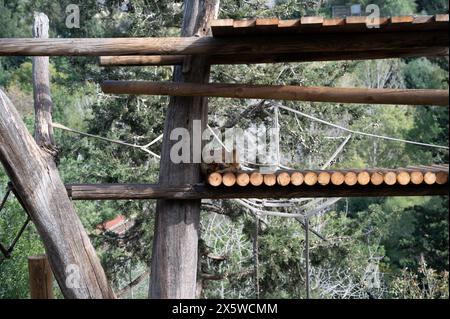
x=36, y=180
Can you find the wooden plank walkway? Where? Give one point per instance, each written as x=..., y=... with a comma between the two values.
x=317, y=24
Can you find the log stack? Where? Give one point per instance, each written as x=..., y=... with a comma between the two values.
x=414, y=175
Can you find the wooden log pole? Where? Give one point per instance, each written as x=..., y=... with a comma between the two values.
x=35, y=178
x=416, y=177
x=256, y=179
x=403, y=177
x=206, y=45
x=43, y=106
x=297, y=178
x=141, y=60
x=429, y=178
x=158, y=60
x=283, y=179
x=200, y=191
x=270, y=179
x=390, y=178
x=324, y=178
x=281, y=92
x=242, y=179
x=177, y=223
x=337, y=178
x=229, y=179
x=351, y=178
x=215, y=179
x=40, y=277
x=363, y=178
x=376, y=178
x=310, y=178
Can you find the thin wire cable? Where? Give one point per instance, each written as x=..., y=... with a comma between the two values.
x=359, y=132
x=141, y=147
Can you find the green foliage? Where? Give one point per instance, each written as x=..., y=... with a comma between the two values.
x=405, y=239
x=426, y=284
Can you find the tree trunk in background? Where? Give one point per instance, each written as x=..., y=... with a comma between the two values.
x=175, y=244
x=36, y=180
x=43, y=130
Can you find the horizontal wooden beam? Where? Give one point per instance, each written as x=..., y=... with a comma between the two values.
x=155, y=60
x=281, y=44
x=150, y=191
x=280, y=92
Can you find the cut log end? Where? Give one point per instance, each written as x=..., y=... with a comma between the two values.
x=311, y=178
x=337, y=178
x=242, y=179
x=283, y=179
x=416, y=177
x=324, y=178
x=363, y=178
x=429, y=178
x=351, y=179
x=441, y=178
x=376, y=178
x=403, y=178
x=270, y=179
x=215, y=179
x=297, y=179
x=256, y=179
x=390, y=178
x=229, y=179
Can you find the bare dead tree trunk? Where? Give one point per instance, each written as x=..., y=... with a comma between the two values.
x=36, y=180
x=175, y=245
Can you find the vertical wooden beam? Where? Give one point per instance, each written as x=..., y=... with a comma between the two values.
x=40, y=277
x=43, y=130
x=175, y=251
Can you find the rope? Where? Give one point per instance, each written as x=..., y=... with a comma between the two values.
x=140, y=147
x=359, y=132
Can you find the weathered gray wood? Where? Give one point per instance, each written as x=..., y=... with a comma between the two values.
x=36, y=180
x=43, y=130
x=175, y=244
x=281, y=44
x=199, y=191
x=282, y=92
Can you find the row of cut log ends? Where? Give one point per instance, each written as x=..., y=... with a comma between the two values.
x=337, y=178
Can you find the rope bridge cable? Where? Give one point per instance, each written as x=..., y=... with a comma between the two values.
x=141, y=147
x=359, y=132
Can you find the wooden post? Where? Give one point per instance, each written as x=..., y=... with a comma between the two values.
x=36, y=180
x=40, y=277
x=43, y=130
x=282, y=92
x=362, y=41
x=175, y=244
x=143, y=60
x=202, y=191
